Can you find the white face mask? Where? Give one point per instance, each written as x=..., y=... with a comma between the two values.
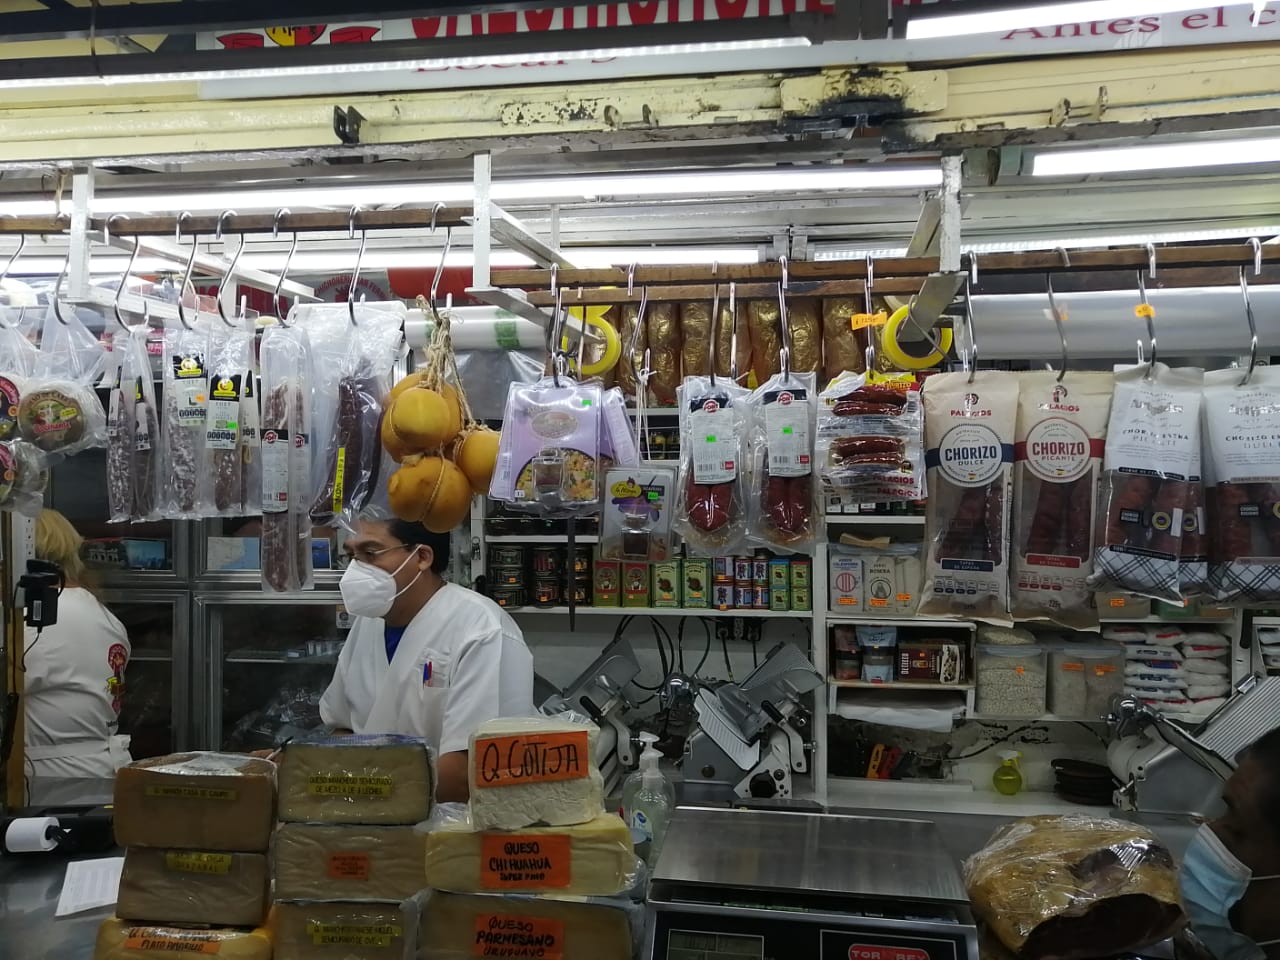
x=369, y=591
x=1213, y=880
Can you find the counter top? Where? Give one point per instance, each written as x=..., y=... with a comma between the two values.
x=29, y=888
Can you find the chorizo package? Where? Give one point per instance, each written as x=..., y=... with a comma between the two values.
x=1242, y=468
x=710, y=506
x=222, y=462
x=119, y=450
x=844, y=349
x=251, y=437
x=969, y=432
x=1193, y=557
x=286, y=459
x=730, y=346
x=870, y=438
x=782, y=514
x=695, y=332
x=186, y=359
x=1152, y=438
x=1062, y=427
x=664, y=352
x=144, y=420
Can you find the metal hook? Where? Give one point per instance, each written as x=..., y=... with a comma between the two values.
x=973, y=269
x=22, y=242
x=435, y=281
x=124, y=277
x=435, y=212
x=715, y=320
x=275, y=232
x=972, y=352
x=1057, y=320
x=786, y=276
x=784, y=354
x=191, y=262
x=867, y=284
x=635, y=342
x=733, y=331
x=631, y=278
x=355, y=274
x=1253, y=327
x=1151, y=260
x=231, y=270
x=1253, y=242
x=1148, y=315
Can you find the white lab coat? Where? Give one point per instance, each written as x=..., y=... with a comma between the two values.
x=479, y=669
x=72, y=712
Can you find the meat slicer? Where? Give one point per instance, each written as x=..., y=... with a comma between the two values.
x=747, y=742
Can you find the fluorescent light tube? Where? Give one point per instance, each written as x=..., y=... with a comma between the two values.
x=1049, y=15
x=1174, y=156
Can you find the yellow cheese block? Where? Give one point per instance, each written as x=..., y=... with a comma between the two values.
x=185, y=886
x=321, y=861
x=121, y=940
x=344, y=931
x=462, y=926
x=196, y=801
x=531, y=771
x=356, y=779
x=592, y=859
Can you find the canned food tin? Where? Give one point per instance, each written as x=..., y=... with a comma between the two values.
x=742, y=569
x=722, y=596
x=546, y=561
x=503, y=554
x=744, y=597
x=581, y=592
x=779, y=598
x=801, y=599
x=760, y=597
x=581, y=561
x=802, y=572
x=509, y=596
x=506, y=576
x=760, y=572
x=546, y=592
x=779, y=573
x=722, y=568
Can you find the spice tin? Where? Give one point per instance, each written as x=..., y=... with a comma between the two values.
x=744, y=596
x=666, y=583
x=546, y=561
x=697, y=583
x=509, y=596
x=760, y=597
x=760, y=571
x=801, y=598
x=779, y=599
x=635, y=584
x=801, y=572
x=723, y=568
x=779, y=573
x=506, y=555
x=581, y=561
x=606, y=583
x=546, y=592
x=722, y=596
x=506, y=576
x=742, y=569
x=580, y=591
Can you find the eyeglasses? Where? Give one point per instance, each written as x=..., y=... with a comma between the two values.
x=368, y=555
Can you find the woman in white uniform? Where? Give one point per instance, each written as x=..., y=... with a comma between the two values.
x=424, y=657
x=74, y=672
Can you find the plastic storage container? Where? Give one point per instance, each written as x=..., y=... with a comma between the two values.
x=877, y=666
x=1011, y=680
x=1083, y=677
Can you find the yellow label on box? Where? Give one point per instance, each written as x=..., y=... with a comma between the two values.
x=349, y=785
x=191, y=793
x=171, y=941
x=181, y=862
x=354, y=934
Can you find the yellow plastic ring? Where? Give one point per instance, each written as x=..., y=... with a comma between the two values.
x=890, y=347
x=612, y=346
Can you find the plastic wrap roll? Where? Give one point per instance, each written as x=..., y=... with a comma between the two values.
x=664, y=351
x=724, y=342
x=766, y=338
x=695, y=329
x=843, y=348
x=630, y=362
x=805, y=319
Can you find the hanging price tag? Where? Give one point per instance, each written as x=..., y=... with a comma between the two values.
x=860, y=321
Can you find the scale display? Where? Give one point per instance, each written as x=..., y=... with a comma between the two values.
x=792, y=935
x=695, y=945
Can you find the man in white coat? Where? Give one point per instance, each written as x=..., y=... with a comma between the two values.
x=424, y=657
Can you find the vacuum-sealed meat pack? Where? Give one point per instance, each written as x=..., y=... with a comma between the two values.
x=782, y=421
x=869, y=445
x=710, y=509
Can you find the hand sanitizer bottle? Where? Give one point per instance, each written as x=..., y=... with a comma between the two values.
x=648, y=799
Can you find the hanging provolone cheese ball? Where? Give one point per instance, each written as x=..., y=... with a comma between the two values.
x=431, y=491
x=390, y=441
x=422, y=419
x=476, y=454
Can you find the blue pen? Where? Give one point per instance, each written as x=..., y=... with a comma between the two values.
x=426, y=673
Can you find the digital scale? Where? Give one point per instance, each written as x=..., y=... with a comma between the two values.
x=770, y=885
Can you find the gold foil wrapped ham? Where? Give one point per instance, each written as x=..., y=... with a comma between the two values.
x=843, y=349
x=626, y=368
x=664, y=352
x=804, y=318
x=724, y=341
x=695, y=329
x=766, y=338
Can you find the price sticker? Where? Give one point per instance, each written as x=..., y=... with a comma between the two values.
x=860, y=321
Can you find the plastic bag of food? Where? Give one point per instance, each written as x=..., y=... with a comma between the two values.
x=870, y=438
x=222, y=461
x=286, y=459
x=663, y=338
x=695, y=332
x=1062, y=426
x=1243, y=472
x=844, y=349
x=23, y=477
x=186, y=359
x=804, y=316
x=635, y=522
x=765, y=326
x=144, y=422
x=59, y=413
x=631, y=361
x=969, y=434
x=1074, y=887
x=119, y=449
x=1151, y=442
x=733, y=342
x=711, y=503
x=17, y=361
x=549, y=451
x=617, y=441
x=783, y=511
x=251, y=437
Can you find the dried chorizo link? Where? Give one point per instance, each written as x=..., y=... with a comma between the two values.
x=845, y=447
x=863, y=408
x=964, y=537
x=869, y=393
x=1131, y=497
x=709, y=504
x=1046, y=521
x=275, y=525
x=786, y=501
x=1079, y=516
x=993, y=523
x=343, y=457
x=1233, y=536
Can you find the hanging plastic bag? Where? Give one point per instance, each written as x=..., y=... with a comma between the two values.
x=711, y=503
x=119, y=448
x=59, y=412
x=23, y=478
x=870, y=438
x=186, y=358
x=286, y=459
x=221, y=461
x=617, y=441
x=138, y=381
x=1151, y=442
x=251, y=434
x=783, y=514
x=17, y=361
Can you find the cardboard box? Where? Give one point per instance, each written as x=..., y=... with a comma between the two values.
x=606, y=583
x=697, y=583
x=931, y=661
x=846, y=583
x=635, y=584
x=666, y=584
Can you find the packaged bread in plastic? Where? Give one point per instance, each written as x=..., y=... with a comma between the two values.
x=843, y=349
x=592, y=859
x=730, y=347
x=462, y=926
x=664, y=352
x=766, y=338
x=196, y=801
x=331, y=861
x=122, y=940
x=189, y=886
x=527, y=771
x=357, y=778
x=695, y=333
x=346, y=931
x=1074, y=887
x=630, y=362
x=804, y=317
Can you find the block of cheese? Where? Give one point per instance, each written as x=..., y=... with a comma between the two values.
x=527, y=771
x=323, y=861
x=593, y=859
x=122, y=940
x=356, y=779
x=186, y=886
x=196, y=801
x=345, y=931
x=461, y=926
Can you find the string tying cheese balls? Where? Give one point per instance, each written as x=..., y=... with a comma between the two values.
x=431, y=491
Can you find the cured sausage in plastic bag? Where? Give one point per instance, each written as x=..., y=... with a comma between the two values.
x=782, y=413
x=710, y=512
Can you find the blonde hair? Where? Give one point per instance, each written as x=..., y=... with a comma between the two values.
x=57, y=540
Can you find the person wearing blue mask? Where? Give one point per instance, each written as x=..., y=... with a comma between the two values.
x=1231, y=872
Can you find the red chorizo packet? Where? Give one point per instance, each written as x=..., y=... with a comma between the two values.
x=869, y=443
x=710, y=509
x=1242, y=473
x=782, y=509
x=1152, y=439
x=1062, y=427
x=969, y=431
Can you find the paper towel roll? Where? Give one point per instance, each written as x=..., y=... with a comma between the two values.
x=31, y=835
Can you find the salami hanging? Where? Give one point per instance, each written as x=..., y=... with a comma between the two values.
x=782, y=514
x=710, y=509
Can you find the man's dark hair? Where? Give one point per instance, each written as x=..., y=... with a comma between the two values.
x=407, y=532
x=1265, y=751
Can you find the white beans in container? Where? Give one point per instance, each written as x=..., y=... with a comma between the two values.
x=1011, y=680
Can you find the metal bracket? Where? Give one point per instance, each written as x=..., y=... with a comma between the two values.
x=347, y=124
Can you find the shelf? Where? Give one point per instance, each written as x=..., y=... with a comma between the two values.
x=832, y=617
x=541, y=538
x=874, y=519
x=1042, y=718
x=943, y=797
x=1165, y=621
x=659, y=612
x=913, y=685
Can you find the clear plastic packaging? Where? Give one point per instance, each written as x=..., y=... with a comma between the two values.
x=230, y=360
x=711, y=505
x=315, y=930
x=1083, y=678
x=869, y=444
x=1011, y=680
x=357, y=778
x=1074, y=887
x=186, y=358
x=592, y=859
x=1151, y=442
x=188, y=886
x=251, y=437
x=140, y=398
x=783, y=509
x=332, y=861
x=23, y=478
x=635, y=522
x=286, y=459
x=124, y=940
x=17, y=361
x=59, y=413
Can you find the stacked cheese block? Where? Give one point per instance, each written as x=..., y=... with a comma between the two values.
x=510, y=875
x=196, y=827
x=347, y=858
x=1181, y=672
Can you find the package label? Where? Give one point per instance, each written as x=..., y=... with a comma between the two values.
x=549, y=758
x=971, y=455
x=189, y=388
x=354, y=934
x=715, y=445
x=349, y=866
x=191, y=793
x=222, y=421
x=171, y=941
x=349, y=785
x=514, y=861
x=276, y=445
x=185, y=862
x=786, y=422
x=508, y=935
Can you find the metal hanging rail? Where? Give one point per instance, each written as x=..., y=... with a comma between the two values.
x=336, y=220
